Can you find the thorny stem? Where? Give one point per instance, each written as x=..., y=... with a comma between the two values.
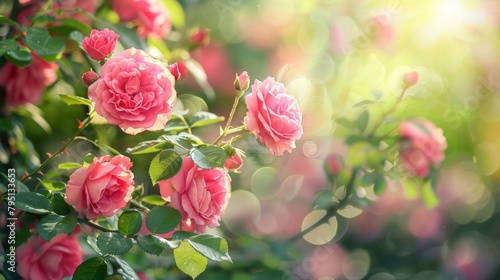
x=96, y=226
x=229, y=120
x=85, y=123
x=330, y=212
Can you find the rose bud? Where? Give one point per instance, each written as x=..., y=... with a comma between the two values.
x=410, y=79
x=199, y=38
x=89, y=77
x=235, y=161
x=333, y=165
x=174, y=70
x=242, y=82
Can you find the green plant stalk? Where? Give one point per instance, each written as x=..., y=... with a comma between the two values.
x=96, y=226
x=229, y=120
x=390, y=111
x=330, y=212
x=85, y=123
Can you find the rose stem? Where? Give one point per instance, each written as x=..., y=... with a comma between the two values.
x=229, y=120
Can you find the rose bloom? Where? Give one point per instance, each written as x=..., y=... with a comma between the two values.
x=69, y=7
x=273, y=116
x=102, y=188
x=423, y=145
x=151, y=16
x=200, y=195
x=100, y=44
x=41, y=260
x=26, y=85
x=135, y=92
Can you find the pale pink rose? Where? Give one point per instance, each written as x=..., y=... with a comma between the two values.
x=102, y=188
x=151, y=16
x=273, y=116
x=242, y=82
x=100, y=44
x=135, y=92
x=41, y=260
x=69, y=9
x=26, y=85
x=200, y=195
x=422, y=147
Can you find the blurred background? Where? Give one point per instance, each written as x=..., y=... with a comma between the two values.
x=332, y=54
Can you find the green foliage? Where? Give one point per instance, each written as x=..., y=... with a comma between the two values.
x=39, y=40
x=33, y=203
x=200, y=119
x=188, y=260
x=91, y=269
x=75, y=100
x=162, y=219
x=208, y=156
x=19, y=57
x=153, y=199
x=213, y=247
x=113, y=243
x=7, y=46
x=51, y=225
x=164, y=166
x=130, y=222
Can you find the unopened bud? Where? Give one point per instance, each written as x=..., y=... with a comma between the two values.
x=199, y=38
x=235, y=161
x=174, y=70
x=89, y=78
x=333, y=165
x=241, y=83
x=410, y=78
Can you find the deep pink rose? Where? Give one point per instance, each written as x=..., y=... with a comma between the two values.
x=41, y=260
x=200, y=195
x=135, y=92
x=423, y=145
x=26, y=85
x=151, y=16
x=273, y=116
x=89, y=77
x=102, y=188
x=100, y=44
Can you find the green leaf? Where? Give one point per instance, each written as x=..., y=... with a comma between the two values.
x=78, y=25
x=125, y=269
x=75, y=100
x=7, y=46
x=164, y=165
x=153, y=199
x=33, y=202
x=362, y=121
x=19, y=57
x=43, y=19
x=363, y=103
x=211, y=246
x=113, y=243
x=4, y=19
x=203, y=119
x=379, y=184
x=130, y=222
x=38, y=40
x=181, y=235
x=88, y=159
x=189, y=261
x=208, y=156
x=59, y=205
x=323, y=199
x=50, y=226
x=149, y=245
x=77, y=37
x=91, y=269
x=411, y=190
x=356, y=156
x=69, y=165
x=345, y=122
x=153, y=146
x=162, y=219
x=57, y=186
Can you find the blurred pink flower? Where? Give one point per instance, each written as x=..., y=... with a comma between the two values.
x=135, y=92
x=385, y=32
x=273, y=116
x=100, y=43
x=41, y=260
x=102, y=188
x=26, y=84
x=69, y=7
x=423, y=145
x=200, y=195
x=333, y=164
x=199, y=38
x=89, y=77
x=151, y=16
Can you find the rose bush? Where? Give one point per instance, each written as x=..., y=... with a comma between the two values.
x=135, y=92
x=273, y=116
x=422, y=147
x=200, y=195
x=102, y=188
x=42, y=260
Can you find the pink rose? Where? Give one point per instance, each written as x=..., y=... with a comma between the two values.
x=26, y=85
x=273, y=116
x=151, y=16
x=102, y=188
x=423, y=145
x=200, y=195
x=135, y=92
x=100, y=44
x=41, y=260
